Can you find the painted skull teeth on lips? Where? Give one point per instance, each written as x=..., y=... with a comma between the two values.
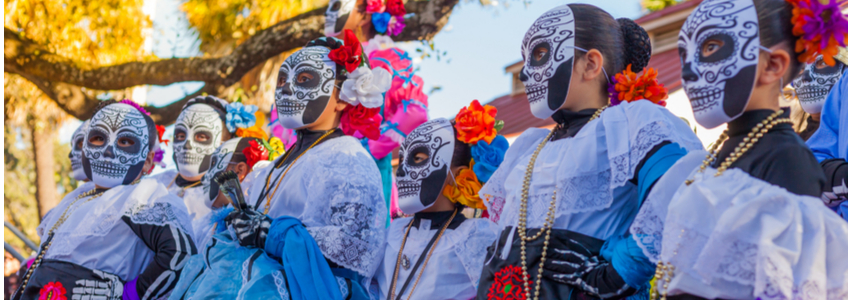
x=290, y=107
x=719, y=81
x=109, y=169
x=421, y=182
x=535, y=93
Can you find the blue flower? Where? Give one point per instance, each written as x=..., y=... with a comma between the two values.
x=381, y=21
x=240, y=116
x=487, y=157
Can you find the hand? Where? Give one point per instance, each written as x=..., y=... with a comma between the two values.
x=594, y=276
x=251, y=227
x=109, y=287
x=838, y=195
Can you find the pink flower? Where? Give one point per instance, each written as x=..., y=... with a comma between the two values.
x=396, y=26
x=375, y=7
x=133, y=104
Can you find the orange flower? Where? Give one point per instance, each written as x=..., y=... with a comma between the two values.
x=630, y=87
x=476, y=122
x=466, y=190
x=253, y=131
x=821, y=29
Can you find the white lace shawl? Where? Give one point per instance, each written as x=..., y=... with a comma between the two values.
x=336, y=190
x=88, y=223
x=585, y=169
x=455, y=265
x=195, y=198
x=736, y=236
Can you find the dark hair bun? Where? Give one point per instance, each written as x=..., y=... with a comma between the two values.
x=329, y=42
x=637, y=44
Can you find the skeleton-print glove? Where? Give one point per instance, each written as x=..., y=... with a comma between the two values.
x=836, y=195
x=251, y=227
x=108, y=287
x=591, y=274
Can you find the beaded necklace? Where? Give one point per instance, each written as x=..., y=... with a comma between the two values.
x=430, y=253
x=549, y=220
x=665, y=270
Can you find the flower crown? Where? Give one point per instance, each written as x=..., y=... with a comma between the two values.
x=388, y=17
x=627, y=86
x=476, y=126
x=363, y=88
x=158, y=152
x=265, y=148
x=821, y=28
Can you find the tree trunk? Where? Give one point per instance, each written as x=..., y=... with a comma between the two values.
x=43, y=135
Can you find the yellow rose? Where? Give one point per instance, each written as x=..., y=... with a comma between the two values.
x=466, y=190
x=277, y=148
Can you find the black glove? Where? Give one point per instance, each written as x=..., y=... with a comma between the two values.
x=251, y=227
x=835, y=190
x=591, y=274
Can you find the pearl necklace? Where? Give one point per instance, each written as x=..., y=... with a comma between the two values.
x=665, y=270
x=549, y=220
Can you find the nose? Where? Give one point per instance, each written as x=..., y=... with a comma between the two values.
x=286, y=89
x=70, y=155
x=187, y=144
x=401, y=172
x=806, y=76
x=522, y=76
x=110, y=152
x=688, y=74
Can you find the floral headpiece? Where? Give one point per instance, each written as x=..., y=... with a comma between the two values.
x=476, y=126
x=136, y=105
x=821, y=28
x=158, y=152
x=363, y=88
x=240, y=116
x=271, y=148
x=627, y=86
x=388, y=17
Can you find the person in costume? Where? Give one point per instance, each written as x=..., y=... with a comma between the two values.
x=828, y=145
x=812, y=88
x=77, y=171
x=746, y=222
x=201, y=127
x=132, y=242
x=565, y=198
x=314, y=224
x=438, y=253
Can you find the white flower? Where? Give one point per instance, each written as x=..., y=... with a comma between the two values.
x=365, y=86
x=378, y=42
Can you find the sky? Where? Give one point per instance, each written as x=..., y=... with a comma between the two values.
x=480, y=42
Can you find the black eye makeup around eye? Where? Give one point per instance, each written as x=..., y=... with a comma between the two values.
x=414, y=152
x=98, y=133
x=310, y=82
x=209, y=137
x=724, y=52
x=537, y=48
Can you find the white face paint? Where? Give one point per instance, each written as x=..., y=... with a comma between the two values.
x=813, y=85
x=336, y=16
x=77, y=141
x=116, y=145
x=304, y=86
x=420, y=181
x=719, y=82
x=219, y=162
x=203, y=129
x=548, y=53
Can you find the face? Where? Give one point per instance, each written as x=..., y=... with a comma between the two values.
x=813, y=85
x=336, y=16
x=220, y=160
x=719, y=48
x=304, y=86
x=77, y=142
x=548, y=53
x=424, y=159
x=197, y=133
x=115, y=146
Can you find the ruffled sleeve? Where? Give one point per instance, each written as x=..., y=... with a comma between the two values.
x=345, y=211
x=471, y=251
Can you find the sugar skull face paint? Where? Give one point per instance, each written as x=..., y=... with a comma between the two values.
x=813, y=85
x=304, y=86
x=77, y=141
x=719, y=47
x=197, y=133
x=336, y=16
x=424, y=162
x=219, y=162
x=548, y=53
x=116, y=145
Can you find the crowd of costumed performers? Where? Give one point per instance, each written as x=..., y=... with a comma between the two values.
x=620, y=199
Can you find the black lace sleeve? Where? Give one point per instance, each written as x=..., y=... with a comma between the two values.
x=172, y=247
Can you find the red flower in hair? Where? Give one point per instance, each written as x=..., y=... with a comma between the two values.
x=365, y=120
x=395, y=8
x=254, y=153
x=161, y=130
x=349, y=55
x=631, y=87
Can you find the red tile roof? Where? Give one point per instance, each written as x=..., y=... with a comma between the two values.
x=514, y=110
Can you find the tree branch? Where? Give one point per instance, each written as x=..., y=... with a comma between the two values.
x=23, y=56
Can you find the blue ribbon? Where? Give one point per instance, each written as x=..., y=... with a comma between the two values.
x=406, y=103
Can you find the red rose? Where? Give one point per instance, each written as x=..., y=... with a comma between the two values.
x=254, y=153
x=396, y=8
x=349, y=55
x=365, y=120
x=161, y=130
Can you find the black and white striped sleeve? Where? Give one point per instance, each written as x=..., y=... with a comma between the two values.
x=172, y=247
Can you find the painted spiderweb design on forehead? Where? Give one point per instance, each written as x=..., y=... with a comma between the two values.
x=723, y=13
x=115, y=118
